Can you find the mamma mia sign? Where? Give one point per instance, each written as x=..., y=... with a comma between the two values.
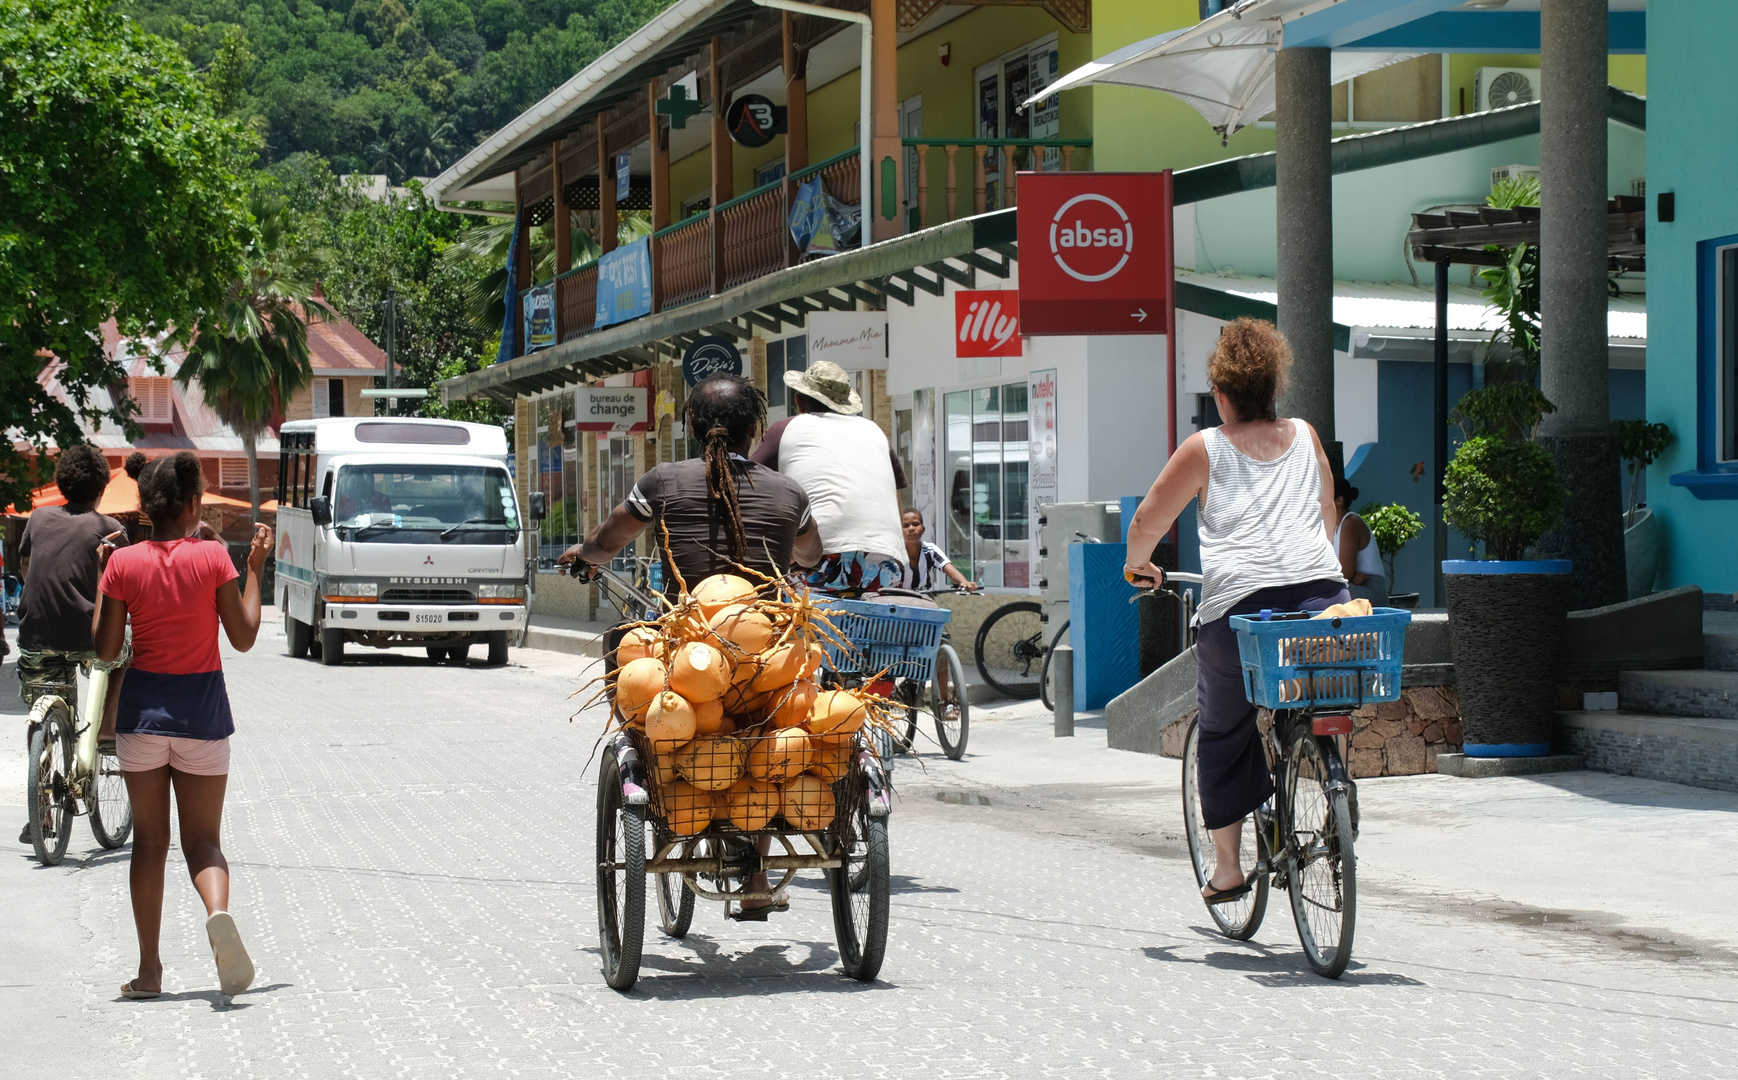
x=855, y=340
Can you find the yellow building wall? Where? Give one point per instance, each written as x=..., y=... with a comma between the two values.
x=1625, y=73
x=301, y=403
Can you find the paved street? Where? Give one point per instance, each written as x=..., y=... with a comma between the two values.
x=410, y=848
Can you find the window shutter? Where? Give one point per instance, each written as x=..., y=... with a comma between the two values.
x=232, y=472
x=154, y=397
x=322, y=399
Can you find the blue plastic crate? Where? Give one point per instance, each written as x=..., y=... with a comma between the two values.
x=1293, y=663
x=899, y=639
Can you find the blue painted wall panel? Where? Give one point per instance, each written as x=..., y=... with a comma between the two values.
x=1104, y=629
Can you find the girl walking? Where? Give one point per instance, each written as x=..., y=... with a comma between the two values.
x=173, y=726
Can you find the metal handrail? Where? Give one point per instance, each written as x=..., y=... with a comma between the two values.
x=740, y=199
x=574, y=270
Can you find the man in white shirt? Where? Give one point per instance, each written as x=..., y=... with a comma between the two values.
x=851, y=475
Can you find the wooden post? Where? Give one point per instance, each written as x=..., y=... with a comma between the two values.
x=723, y=179
x=522, y=275
x=757, y=363
x=561, y=222
x=1011, y=170
x=922, y=153
x=1068, y=159
x=796, y=64
x=660, y=146
x=607, y=222
x=978, y=181
x=885, y=146
x=953, y=183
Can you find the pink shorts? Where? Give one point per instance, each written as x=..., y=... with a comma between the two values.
x=198, y=757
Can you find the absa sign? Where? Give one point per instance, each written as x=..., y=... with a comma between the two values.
x=1095, y=253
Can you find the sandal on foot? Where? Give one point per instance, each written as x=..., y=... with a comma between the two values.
x=234, y=968
x=758, y=914
x=1226, y=896
x=131, y=994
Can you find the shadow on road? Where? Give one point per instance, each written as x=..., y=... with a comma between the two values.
x=219, y=1001
x=1275, y=968
x=708, y=971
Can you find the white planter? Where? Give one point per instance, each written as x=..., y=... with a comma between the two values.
x=1641, y=552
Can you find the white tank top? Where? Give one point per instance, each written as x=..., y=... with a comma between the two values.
x=1261, y=522
x=843, y=464
x=1369, y=557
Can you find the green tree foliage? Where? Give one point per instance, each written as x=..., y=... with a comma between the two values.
x=400, y=87
x=1513, y=287
x=1503, y=494
x=1509, y=410
x=251, y=352
x=119, y=199
x=1641, y=444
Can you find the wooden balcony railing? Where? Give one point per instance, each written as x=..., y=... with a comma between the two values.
x=751, y=234
x=1003, y=156
x=682, y=262
x=576, y=300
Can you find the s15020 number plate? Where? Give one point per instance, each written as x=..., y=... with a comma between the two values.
x=431, y=617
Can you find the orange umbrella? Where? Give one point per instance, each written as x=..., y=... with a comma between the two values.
x=212, y=499
x=120, y=497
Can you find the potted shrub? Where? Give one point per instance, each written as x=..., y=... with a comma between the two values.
x=1392, y=527
x=1641, y=444
x=1505, y=613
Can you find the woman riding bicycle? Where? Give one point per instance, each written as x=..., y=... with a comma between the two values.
x=1266, y=514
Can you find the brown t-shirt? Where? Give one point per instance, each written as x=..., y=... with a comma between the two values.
x=60, y=589
x=774, y=512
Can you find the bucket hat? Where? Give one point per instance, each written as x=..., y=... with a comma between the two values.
x=829, y=384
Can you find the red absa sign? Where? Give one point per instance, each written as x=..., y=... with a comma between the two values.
x=986, y=322
x=1095, y=253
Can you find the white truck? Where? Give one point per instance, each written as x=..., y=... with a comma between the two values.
x=400, y=532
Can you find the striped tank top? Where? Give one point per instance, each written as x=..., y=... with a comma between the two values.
x=1261, y=522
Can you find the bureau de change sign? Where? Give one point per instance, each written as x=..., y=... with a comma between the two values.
x=1095, y=253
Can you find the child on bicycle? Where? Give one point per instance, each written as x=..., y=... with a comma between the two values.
x=173, y=725
x=925, y=564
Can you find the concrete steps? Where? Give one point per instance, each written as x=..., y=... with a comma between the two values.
x=1709, y=694
x=1720, y=652
x=1693, y=750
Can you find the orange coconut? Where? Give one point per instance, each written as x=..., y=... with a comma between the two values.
x=719, y=591
x=687, y=809
x=838, y=712
x=669, y=721
x=791, y=707
x=827, y=761
x=639, y=643
x=780, y=755
x=709, y=717
x=637, y=683
x=753, y=803
x=812, y=662
x=749, y=630
x=698, y=672
x=808, y=803
x=779, y=667
x=712, y=762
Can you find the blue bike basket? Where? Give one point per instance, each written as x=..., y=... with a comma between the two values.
x=1295, y=662
x=893, y=637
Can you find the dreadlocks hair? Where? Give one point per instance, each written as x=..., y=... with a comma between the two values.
x=166, y=484
x=81, y=473
x=723, y=412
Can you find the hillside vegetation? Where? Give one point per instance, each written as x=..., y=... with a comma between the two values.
x=402, y=87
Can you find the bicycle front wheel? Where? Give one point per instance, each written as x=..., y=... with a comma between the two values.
x=1240, y=919
x=861, y=888
x=1010, y=647
x=48, y=783
x=111, y=809
x=953, y=710
x=1323, y=878
x=1047, y=689
x=621, y=878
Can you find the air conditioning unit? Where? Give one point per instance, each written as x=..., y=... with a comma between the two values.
x=1498, y=88
x=1512, y=172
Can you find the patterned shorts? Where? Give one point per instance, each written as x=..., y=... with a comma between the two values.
x=41, y=670
x=851, y=573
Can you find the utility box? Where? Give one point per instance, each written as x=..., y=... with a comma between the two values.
x=1057, y=525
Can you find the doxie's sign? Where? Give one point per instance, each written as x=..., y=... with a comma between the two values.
x=986, y=322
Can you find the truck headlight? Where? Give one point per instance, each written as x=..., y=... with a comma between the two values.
x=352, y=590
x=500, y=592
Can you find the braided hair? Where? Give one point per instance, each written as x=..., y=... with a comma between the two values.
x=724, y=412
x=167, y=484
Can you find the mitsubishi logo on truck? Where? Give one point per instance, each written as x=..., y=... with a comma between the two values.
x=428, y=560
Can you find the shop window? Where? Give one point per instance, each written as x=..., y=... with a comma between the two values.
x=986, y=499
x=154, y=397
x=232, y=472
x=766, y=174
x=1003, y=85
x=328, y=398
x=615, y=478
x=1724, y=356
x=791, y=354
x=558, y=476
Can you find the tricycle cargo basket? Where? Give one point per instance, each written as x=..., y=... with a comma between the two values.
x=897, y=638
x=1292, y=661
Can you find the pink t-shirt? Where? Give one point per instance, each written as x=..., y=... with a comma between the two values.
x=175, y=684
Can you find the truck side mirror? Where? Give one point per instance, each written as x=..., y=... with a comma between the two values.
x=321, y=509
x=539, y=506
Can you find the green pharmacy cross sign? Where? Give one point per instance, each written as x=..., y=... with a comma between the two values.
x=679, y=106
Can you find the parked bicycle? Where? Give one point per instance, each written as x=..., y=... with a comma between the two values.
x=941, y=683
x=68, y=774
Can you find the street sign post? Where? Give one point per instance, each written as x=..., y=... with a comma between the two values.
x=1095, y=253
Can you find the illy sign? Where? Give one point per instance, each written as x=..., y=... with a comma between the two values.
x=1095, y=253
x=986, y=322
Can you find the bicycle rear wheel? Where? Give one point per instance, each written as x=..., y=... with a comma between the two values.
x=621, y=878
x=1010, y=648
x=675, y=901
x=1324, y=879
x=953, y=710
x=861, y=887
x=1240, y=919
x=48, y=783
x=1046, y=690
x=111, y=809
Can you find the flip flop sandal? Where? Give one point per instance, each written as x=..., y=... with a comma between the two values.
x=757, y=914
x=131, y=994
x=234, y=968
x=1226, y=896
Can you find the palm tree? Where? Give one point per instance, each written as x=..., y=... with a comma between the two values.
x=252, y=353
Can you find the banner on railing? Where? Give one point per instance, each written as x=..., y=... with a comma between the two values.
x=821, y=224
x=539, y=317
x=624, y=283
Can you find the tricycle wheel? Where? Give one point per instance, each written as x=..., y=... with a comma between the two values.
x=621, y=877
x=953, y=710
x=675, y=901
x=860, y=914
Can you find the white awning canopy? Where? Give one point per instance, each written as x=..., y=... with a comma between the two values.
x=1222, y=66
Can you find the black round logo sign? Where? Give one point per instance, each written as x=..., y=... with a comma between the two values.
x=753, y=120
x=710, y=356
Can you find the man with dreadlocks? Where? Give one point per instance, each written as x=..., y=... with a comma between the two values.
x=719, y=509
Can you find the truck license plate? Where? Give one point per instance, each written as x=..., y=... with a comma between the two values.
x=433, y=617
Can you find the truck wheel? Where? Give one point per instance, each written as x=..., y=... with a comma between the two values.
x=460, y=654
x=331, y=646
x=298, y=634
x=437, y=655
x=497, y=648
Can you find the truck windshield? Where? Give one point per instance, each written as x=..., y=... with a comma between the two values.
x=400, y=504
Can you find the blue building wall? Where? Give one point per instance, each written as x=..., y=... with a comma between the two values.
x=1691, y=77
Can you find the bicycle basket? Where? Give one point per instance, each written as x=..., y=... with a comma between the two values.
x=895, y=638
x=1295, y=662
x=692, y=785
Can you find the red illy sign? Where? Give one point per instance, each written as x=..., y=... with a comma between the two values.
x=1095, y=253
x=986, y=322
